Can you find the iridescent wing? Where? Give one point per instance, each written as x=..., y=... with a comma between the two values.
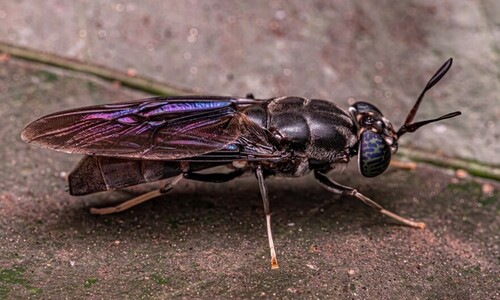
x=154, y=128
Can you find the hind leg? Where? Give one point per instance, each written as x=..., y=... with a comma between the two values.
x=137, y=200
x=214, y=177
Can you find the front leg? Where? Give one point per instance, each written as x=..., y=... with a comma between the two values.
x=336, y=188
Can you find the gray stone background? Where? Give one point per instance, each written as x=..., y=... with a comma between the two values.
x=208, y=240
x=383, y=52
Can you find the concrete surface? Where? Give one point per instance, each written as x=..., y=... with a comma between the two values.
x=208, y=240
x=383, y=52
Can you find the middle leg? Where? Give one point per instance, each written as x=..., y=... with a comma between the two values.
x=267, y=211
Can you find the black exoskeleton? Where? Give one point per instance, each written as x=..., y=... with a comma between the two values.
x=175, y=137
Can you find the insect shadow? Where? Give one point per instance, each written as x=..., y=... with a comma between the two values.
x=236, y=204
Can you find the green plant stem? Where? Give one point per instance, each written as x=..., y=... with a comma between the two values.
x=153, y=87
x=136, y=82
x=474, y=168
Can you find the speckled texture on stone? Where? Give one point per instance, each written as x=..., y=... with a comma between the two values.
x=383, y=52
x=209, y=240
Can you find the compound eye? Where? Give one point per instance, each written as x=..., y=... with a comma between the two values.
x=374, y=154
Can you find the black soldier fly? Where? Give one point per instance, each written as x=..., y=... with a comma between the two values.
x=176, y=137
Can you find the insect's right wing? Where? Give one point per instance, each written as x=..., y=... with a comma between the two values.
x=153, y=129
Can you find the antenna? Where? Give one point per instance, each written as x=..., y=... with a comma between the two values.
x=411, y=127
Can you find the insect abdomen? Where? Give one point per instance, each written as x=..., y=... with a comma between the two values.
x=100, y=173
x=97, y=173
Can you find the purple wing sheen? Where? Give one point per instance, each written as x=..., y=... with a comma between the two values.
x=155, y=128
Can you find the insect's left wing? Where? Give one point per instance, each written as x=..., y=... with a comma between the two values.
x=155, y=128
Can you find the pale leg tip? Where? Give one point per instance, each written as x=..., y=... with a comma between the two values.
x=274, y=264
x=103, y=211
x=420, y=225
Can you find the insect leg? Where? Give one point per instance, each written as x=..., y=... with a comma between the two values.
x=267, y=211
x=137, y=200
x=214, y=177
x=345, y=190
